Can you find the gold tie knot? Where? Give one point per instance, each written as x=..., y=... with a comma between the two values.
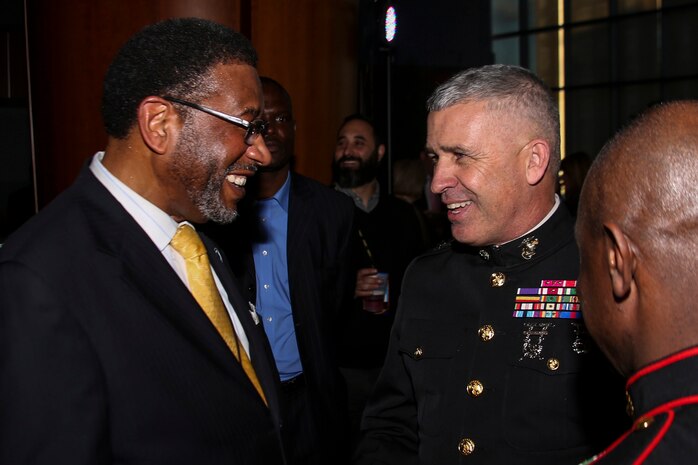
x=187, y=242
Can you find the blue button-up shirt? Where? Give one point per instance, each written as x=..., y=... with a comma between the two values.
x=273, y=296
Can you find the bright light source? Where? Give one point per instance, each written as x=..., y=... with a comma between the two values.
x=390, y=24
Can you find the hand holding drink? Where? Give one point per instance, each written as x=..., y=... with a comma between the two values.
x=373, y=287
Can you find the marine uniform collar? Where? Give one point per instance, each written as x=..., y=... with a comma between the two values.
x=670, y=379
x=549, y=235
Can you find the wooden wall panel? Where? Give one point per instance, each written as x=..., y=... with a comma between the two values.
x=69, y=49
x=309, y=46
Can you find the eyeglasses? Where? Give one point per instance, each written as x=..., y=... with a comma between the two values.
x=254, y=128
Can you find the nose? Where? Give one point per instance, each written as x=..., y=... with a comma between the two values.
x=258, y=153
x=442, y=178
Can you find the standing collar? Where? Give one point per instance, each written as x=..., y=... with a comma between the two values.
x=673, y=378
x=548, y=235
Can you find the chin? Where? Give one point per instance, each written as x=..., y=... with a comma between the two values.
x=462, y=235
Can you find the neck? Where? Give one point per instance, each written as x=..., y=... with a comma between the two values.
x=535, y=213
x=129, y=162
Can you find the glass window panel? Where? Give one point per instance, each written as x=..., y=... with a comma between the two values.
x=542, y=56
x=632, y=6
x=583, y=10
x=506, y=51
x=666, y=3
x=587, y=55
x=680, y=40
x=637, y=52
x=505, y=16
x=542, y=13
x=634, y=99
x=588, y=119
x=683, y=89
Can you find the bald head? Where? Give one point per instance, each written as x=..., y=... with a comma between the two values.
x=637, y=229
x=646, y=180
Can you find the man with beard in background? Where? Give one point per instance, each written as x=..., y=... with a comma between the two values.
x=387, y=238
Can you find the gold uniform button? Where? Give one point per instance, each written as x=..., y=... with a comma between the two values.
x=486, y=332
x=475, y=388
x=553, y=364
x=466, y=446
x=497, y=279
x=418, y=352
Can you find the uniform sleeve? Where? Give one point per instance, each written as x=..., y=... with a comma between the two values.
x=389, y=424
x=53, y=407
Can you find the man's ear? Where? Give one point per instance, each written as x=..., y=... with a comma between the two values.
x=157, y=123
x=381, y=151
x=621, y=259
x=538, y=157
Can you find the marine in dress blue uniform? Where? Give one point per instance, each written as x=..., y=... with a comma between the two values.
x=663, y=400
x=638, y=245
x=474, y=375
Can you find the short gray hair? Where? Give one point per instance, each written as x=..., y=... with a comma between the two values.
x=504, y=87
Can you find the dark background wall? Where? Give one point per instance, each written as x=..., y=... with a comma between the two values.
x=59, y=51
x=433, y=41
x=330, y=55
x=619, y=57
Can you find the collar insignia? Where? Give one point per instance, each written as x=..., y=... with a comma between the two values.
x=528, y=247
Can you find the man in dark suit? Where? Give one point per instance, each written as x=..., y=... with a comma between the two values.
x=106, y=353
x=293, y=264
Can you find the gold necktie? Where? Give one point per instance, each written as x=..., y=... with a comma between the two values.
x=188, y=244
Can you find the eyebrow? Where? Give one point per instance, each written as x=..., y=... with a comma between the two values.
x=449, y=149
x=254, y=112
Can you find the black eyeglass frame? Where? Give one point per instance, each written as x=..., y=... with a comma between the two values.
x=254, y=128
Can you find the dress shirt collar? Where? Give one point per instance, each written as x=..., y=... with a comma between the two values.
x=372, y=202
x=159, y=226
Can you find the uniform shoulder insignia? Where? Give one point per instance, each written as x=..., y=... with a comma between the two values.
x=443, y=245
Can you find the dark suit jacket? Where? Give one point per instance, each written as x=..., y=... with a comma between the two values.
x=105, y=356
x=319, y=231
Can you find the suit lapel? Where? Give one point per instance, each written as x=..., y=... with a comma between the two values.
x=146, y=270
x=298, y=219
x=260, y=354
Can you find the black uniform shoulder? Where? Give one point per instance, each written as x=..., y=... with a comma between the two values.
x=441, y=251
